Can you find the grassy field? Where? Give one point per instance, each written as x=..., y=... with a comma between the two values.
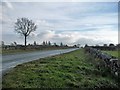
x=114, y=53
x=28, y=50
x=16, y=51
x=71, y=70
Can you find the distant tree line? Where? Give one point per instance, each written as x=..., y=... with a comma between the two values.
x=106, y=47
x=35, y=45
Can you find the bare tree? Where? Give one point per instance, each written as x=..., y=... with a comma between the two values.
x=61, y=44
x=34, y=43
x=49, y=43
x=43, y=43
x=24, y=26
x=2, y=43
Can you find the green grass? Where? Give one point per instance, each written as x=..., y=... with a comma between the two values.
x=71, y=70
x=114, y=53
x=28, y=50
x=16, y=51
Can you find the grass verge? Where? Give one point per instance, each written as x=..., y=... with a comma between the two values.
x=3, y=52
x=71, y=70
x=114, y=53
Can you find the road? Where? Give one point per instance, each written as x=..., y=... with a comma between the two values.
x=12, y=60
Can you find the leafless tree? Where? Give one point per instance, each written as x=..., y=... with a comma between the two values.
x=24, y=26
x=49, y=43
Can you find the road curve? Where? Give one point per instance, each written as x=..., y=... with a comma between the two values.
x=12, y=60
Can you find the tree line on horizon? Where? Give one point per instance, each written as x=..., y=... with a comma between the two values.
x=44, y=43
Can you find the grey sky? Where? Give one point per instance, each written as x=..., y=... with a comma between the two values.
x=67, y=22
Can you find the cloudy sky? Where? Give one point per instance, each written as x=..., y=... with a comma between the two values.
x=68, y=22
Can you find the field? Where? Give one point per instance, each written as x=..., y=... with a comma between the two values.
x=5, y=51
x=113, y=53
x=71, y=70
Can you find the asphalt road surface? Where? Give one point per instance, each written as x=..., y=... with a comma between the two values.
x=12, y=60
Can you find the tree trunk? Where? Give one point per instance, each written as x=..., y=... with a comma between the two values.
x=25, y=41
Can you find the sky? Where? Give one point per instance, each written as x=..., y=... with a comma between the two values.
x=92, y=23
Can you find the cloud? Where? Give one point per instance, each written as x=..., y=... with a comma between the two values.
x=8, y=4
x=44, y=25
x=4, y=17
x=69, y=37
x=46, y=35
x=101, y=36
x=10, y=38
